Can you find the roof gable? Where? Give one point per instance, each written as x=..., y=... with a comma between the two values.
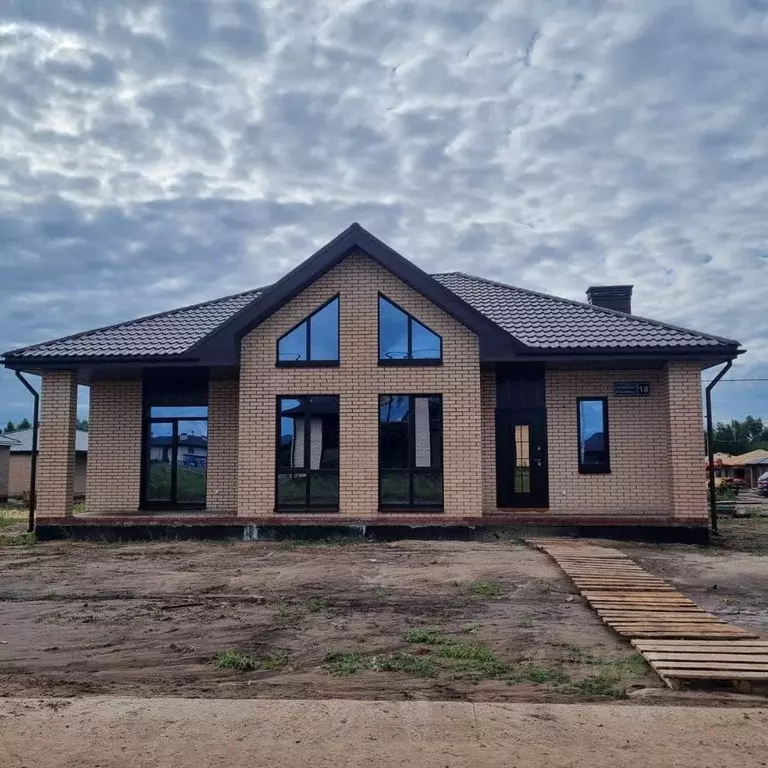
x=224, y=340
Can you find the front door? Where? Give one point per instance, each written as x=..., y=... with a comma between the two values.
x=521, y=458
x=522, y=474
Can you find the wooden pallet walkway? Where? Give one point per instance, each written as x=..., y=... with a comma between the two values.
x=682, y=642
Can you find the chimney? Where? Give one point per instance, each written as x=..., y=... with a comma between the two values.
x=617, y=297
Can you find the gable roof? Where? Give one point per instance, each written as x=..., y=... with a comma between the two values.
x=510, y=321
x=549, y=322
x=23, y=438
x=5, y=441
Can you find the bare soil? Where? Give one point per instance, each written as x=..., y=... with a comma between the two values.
x=147, y=620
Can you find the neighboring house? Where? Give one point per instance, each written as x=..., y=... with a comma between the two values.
x=5, y=465
x=21, y=463
x=359, y=389
x=746, y=466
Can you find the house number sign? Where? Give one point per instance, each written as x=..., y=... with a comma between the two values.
x=631, y=389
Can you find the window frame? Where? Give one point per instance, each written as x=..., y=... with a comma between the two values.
x=307, y=507
x=604, y=467
x=405, y=361
x=412, y=470
x=309, y=363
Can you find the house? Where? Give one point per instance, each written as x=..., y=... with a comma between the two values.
x=5, y=462
x=21, y=460
x=358, y=389
x=746, y=466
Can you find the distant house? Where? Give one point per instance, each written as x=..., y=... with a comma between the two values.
x=746, y=466
x=5, y=461
x=21, y=458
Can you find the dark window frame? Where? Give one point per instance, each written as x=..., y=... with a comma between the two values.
x=147, y=421
x=412, y=469
x=307, y=507
x=405, y=361
x=603, y=467
x=309, y=363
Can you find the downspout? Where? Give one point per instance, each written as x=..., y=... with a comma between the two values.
x=710, y=448
x=33, y=462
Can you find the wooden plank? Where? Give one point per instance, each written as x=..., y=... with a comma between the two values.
x=734, y=646
x=671, y=618
x=597, y=594
x=674, y=633
x=696, y=658
x=639, y=610
x=713, y=674
x=720, y=666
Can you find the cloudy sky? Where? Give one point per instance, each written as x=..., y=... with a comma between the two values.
x=155, y=153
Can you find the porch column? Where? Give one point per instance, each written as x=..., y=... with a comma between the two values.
x=58, y=421
x=223, y=404
x=688, y=489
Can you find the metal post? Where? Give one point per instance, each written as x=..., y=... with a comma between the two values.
x=710, y=448
x=33, y=462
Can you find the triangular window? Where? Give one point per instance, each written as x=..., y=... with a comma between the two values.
x=314, y=341
x=403, y=340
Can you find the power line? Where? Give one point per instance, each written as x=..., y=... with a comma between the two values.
x=728, y=381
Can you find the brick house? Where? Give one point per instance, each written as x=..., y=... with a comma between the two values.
x=5, y=465
x=359, y=389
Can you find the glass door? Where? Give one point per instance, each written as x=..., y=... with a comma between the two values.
x=176, y=457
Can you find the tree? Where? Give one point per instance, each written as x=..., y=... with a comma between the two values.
x=24, y=424
x=9, y=427
x=82, y=425
x=739, y=436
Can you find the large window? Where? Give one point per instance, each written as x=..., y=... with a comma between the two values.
x=403, y=340
x=411, y=451
x=594, y=448
x=307, y=452
x=314, y=341
x=176, y=456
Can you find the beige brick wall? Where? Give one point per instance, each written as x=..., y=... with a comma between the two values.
x=113, y=478
x=56, y=470
x=638, y=483
x=359, y=380
x=222, y=446
x=686, y=439
x=5, y=462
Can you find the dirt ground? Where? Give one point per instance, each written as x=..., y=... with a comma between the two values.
x=148, y=620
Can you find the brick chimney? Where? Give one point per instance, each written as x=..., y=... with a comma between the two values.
x=617, y=297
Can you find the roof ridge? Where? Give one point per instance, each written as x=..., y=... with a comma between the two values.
x=140, y=319
x=595, y=307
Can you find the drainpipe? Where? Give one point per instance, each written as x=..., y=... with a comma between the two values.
x=710, y=449
x=33, y=463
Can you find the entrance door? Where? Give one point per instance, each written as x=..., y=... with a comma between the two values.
x=522, y=478
x=521, y=458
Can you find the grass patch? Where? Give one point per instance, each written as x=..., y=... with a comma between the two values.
x=526, y=622
x=276, y=661
x=428, y=636
x=345, y=663
x=542, y=675
x=472, y=659
x=604, y=685
x=315, y=605
x=242, y=662
x=486, y=588
x=289, y=613
x=17, y=539
x=407, y=664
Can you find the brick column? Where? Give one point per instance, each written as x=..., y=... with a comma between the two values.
x=223, y=406
x=113, y=473
x=688, y=490
x=56, y=469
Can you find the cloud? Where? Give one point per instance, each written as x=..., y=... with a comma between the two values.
x=158, y=153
